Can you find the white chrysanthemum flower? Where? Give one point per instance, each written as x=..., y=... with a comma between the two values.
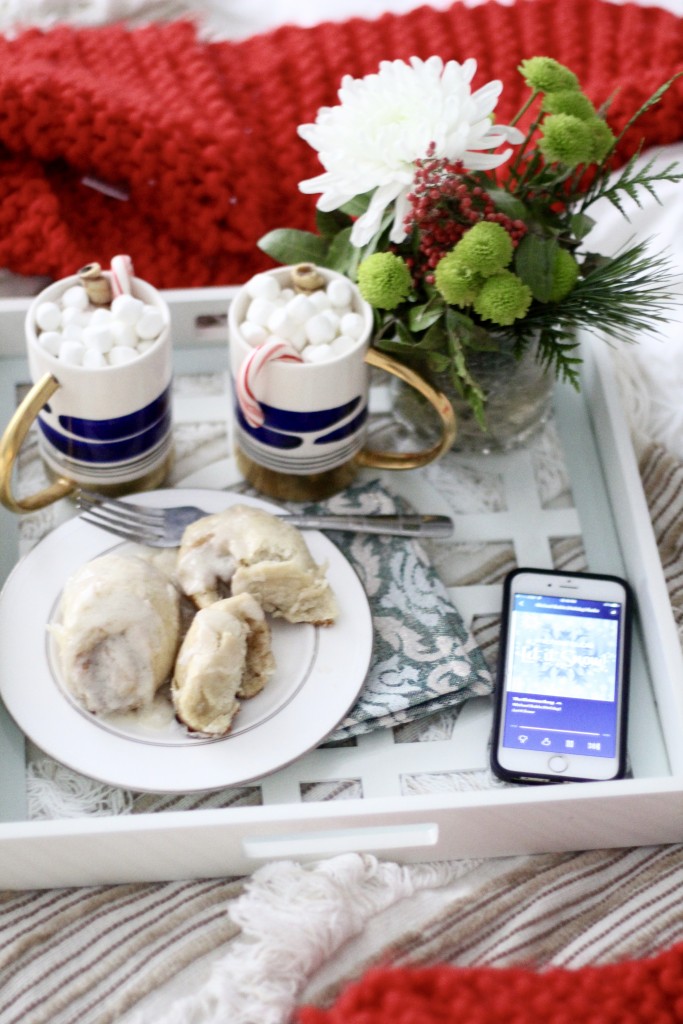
x=387, y=121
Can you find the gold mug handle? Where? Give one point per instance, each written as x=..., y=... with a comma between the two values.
x=12, y=440
x=411, y=460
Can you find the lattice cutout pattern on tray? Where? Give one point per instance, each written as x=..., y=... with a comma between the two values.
x=509, y=510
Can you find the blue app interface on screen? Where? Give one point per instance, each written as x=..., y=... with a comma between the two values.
x=562, y=676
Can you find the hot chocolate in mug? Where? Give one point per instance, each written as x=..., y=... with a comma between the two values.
x=300, y=359
x=104, y=425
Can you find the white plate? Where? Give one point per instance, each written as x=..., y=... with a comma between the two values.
x=320, y=672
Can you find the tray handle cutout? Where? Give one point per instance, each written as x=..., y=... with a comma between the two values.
x=342, y=840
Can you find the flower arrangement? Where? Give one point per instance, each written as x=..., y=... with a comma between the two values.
x=459, y=230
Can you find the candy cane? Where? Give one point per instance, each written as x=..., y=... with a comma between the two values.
x=274, y=350
x=121, y=275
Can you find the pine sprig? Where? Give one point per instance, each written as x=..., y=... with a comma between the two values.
x=557, y=353
x=647, y=105
x=624, y=298
x=631, y=182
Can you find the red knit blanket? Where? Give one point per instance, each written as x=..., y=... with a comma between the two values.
x=200, y=138
x=638, y=992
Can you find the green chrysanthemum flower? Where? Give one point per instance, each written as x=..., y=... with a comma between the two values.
x=603, y=138
x=503, y=298
x=455, y=281
x=565, y=274
x=547, y=75
x=569, y=101
x=567, y=140
x=384, y=280
x=485, y=249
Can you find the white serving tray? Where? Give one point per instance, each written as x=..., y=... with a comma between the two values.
x=611, y=517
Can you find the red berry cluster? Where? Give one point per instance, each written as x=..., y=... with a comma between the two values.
x=445, y=203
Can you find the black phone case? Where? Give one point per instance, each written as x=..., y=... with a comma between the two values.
x=532, y=778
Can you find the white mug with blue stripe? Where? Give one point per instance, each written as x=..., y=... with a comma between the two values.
x=107, y=428
x=300, y=427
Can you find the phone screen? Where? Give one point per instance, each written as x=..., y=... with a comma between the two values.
x=562, y=681
x=560, y=711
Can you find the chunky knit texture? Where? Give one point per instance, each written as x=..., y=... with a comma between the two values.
x=637, y=992
x=201, y=136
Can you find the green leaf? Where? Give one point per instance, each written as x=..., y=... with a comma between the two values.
x=341, y=254
x=357, y=206
x=471, y=335
x=404, y=334
x=534, y=262
x=477, y=400
x=461, y=327
x=593, y=261
x=433, y=341
x=329, y=224
x=396, y=337
x=399, y=347
x=438, y=362
x=508, y=204
x=421, y=317
x=580, y=224
x=289, y=246
x=481, y=340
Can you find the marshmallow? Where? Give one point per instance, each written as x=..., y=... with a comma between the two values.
x=76, y=297
x=317, y=353
x=150, y=324
x=320, y=300
x=73, y=315
x=254, y=334
x=71, y=352
x=73, y=332
x=99, y=337
x=343, y=344
x=93, y=359
x=319, y=330
x=300, y=309
x=48, y=316
x=260, y=310
x=51, y=341
x=101, y=316
x=123, y=334
x=263, y=286
x=121, y=354
x=333, y=318
x=127, y=308
x=279, y=323
x=297, y=337
x=339, y=293
x=351, y=324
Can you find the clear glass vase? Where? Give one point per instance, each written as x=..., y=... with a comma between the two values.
x=518, y=392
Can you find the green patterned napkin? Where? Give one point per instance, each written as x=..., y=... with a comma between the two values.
x=424, y=659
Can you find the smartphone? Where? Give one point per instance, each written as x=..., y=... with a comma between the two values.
x=561, y=697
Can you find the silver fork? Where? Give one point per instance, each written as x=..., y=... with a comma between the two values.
x=164, y=527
